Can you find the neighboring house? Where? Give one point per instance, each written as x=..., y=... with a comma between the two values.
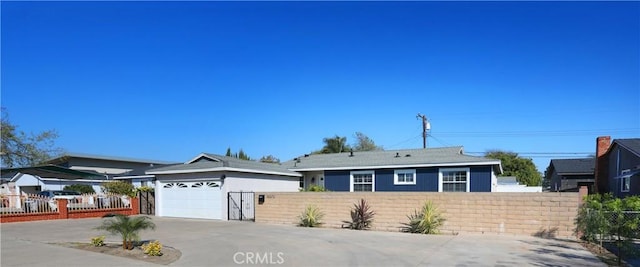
x=618, y=166
x=199, y=188
x=76, y=168
x=568, y=175
x=511, y=184
x=31, y=180
x=445, y=169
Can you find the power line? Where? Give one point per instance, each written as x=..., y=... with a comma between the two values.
x=541, y=133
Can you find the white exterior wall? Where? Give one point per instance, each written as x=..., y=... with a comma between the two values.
x=233, y=182
x=52, y=183
x=518, y=188
x=494, y=181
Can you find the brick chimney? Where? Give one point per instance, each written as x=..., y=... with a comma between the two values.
x=601, y=171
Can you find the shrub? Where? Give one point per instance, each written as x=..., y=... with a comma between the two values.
x=97, y=241
x=153, y=248
x=80, y=188
x=316, y=188
x=119, y=188
x=603, y=216
x=311, y=217
x=427, y=221
x=361, y=216
x=145, y=189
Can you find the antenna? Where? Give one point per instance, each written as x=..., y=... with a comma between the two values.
x=426, y=126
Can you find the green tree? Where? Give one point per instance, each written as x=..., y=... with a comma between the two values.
x=335, y=144
x=269, y=159
x=80, y=188
x=522, y=168
x=18, y=149
x=127, y=227
x=364, y=143
x=240, y=155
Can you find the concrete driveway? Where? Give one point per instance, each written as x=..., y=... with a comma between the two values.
x=220, y=243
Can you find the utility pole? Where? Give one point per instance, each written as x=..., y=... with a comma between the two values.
x=425, y=127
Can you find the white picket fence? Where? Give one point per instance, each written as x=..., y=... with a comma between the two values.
x=31, y=203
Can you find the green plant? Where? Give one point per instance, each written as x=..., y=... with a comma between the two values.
x=427, y=221
x=80, y=188
x=127, y=227
x=119, y=188
x=153, y=248
x=97, y=241
x=361, y=216
x=311, y=216
x=145, y=189
x=604, y=215
x=316, y=188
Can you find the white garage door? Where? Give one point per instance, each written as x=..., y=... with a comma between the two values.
x=191, y=200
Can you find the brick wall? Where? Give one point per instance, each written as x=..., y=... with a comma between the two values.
x=499, y=213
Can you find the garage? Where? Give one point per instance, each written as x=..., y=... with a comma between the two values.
x=198, y=199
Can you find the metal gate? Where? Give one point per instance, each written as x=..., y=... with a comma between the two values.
x=241, y=206
x=147, y=202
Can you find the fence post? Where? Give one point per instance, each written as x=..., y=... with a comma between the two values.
x=583, y=191
x=63, y=211
x=135, y=206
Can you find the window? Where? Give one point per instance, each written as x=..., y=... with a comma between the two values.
x=362, y=181
x=625, y=181
x=301, y=185
x=404, y=177
x=454, y=180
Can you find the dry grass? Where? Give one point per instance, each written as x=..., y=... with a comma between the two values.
x=169, y=254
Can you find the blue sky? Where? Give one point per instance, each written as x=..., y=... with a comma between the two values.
x=168, y=80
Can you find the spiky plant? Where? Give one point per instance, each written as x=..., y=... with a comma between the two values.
x=427, y=221
x=361, y=216
x=311, y=216
x=127, y=227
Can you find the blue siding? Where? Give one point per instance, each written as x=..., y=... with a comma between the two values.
x=337, y=180
x=480, y=179
x=426, y=181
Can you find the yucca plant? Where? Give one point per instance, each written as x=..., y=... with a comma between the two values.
x=127, y=227
x=311, y=216
x=427, y=221
x=361, y=216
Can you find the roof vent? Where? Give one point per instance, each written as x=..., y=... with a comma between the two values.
x=306, y=155
x=351, y=153
x=407, y=155
x=297, y=160
x=397, y=154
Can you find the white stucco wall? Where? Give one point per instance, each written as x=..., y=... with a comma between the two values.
x=518, y=188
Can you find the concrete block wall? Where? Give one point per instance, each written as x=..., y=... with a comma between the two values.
x=546, y=214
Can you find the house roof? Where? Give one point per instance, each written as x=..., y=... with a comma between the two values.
x=66, y=157
x=574, y=166
x=54, y=171
x=443, y=156
x=631, y=144
x=206, y=162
